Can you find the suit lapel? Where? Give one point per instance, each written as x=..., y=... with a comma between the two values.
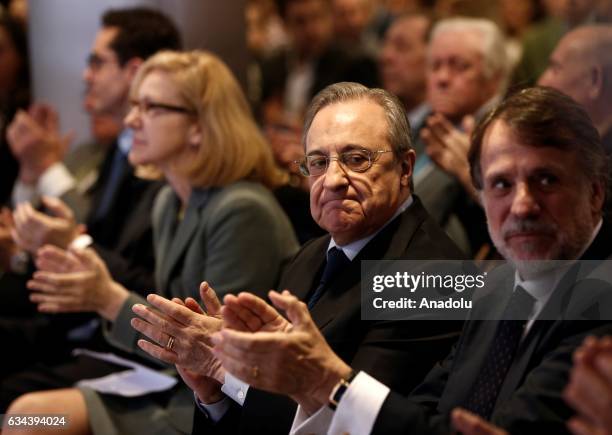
x=175, y=242
x=556, y=308
x=390, y=243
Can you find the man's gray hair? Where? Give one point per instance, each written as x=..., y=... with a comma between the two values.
x=399, y=134
x=493, y=46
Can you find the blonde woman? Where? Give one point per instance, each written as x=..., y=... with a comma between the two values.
x=216, y=220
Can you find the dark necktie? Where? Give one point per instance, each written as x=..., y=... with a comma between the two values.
x=336, y=262
x=501, y=354
x=117, y=169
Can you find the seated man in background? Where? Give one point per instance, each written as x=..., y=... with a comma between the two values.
x=533, y=155
x=119, y=223
x=466, y=76
x=292, y=76
x=359, y=164
x=579, y=67
x=402, y=65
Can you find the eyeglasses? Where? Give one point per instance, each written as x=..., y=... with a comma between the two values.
x=354, y=160
x=146, y=107
x=95, y=61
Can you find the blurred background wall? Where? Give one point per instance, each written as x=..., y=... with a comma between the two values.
x=61, y=33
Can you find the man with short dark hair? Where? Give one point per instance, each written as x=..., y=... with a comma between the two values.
x=537, y=165
x=402, y=64
x=119, y=222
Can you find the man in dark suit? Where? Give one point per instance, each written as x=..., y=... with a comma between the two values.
x=359, y=164
x=119, y=221
x=538, y=164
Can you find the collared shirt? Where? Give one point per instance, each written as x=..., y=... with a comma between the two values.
x=236, y=389
x=357, y=411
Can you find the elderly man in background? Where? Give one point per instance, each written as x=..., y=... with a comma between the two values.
x=359, y=165
x=536, y=153
x=466, y=76
x=580, y=66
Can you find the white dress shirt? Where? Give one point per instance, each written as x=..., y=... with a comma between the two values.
x=357, y=411
x=234, y=388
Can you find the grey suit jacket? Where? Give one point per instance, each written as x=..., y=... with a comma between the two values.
x=235, y=237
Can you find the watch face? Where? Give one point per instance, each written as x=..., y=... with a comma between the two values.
x=19, y=262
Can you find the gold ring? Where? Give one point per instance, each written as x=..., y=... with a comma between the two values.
x=170, y=343
x=254, y=372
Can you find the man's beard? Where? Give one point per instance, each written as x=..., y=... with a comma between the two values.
x=564, y=246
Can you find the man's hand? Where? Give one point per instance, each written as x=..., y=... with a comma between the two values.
x=589, y=390
x=448, y=147
x=33, y=229
x=36, y=142
x=467, y=423
x=188, y=326
x=75, y=281
x=249, y=313
x=295, y=361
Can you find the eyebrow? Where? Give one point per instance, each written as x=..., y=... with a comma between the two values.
x=343, y=149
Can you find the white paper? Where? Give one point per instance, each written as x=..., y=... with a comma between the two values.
x=136, y=381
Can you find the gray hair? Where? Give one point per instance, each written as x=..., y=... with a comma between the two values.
x=399, y=133
x=493, y=45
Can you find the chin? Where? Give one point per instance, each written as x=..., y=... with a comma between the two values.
x=532, y=259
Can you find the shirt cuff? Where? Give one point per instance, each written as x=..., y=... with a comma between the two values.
x=359, y=406
x=22, y=192
x=213, y=411
x=235, y=389
x=317, y=423
x=55, y=181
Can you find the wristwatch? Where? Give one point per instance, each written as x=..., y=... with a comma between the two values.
x=19, y=262
x=339, y=390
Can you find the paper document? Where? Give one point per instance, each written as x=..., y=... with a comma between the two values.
x=135, y=381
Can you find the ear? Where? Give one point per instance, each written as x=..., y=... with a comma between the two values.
x=194, y=136
x=407, y=166
x=131, y=67
x=595, y=82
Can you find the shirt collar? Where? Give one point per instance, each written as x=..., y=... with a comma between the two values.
x=124, y=141
x=352, y=249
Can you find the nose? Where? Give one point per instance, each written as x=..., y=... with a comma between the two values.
x=524, y=202
x=544, y=79
x=335, y=176
x=441, y=76
x=385, y=55
x=87, y=74
x=132, y=119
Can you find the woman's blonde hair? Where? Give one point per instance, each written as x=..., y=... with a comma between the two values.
x=232, y=146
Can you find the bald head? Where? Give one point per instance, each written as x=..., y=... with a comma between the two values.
x=581, y=67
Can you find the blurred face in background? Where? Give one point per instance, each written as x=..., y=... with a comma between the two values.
x=403, y=58
x=107, y=83
x=568, y=69
x=309, y=23
x=456, y=81
x=351, y=17
x=517, y=15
